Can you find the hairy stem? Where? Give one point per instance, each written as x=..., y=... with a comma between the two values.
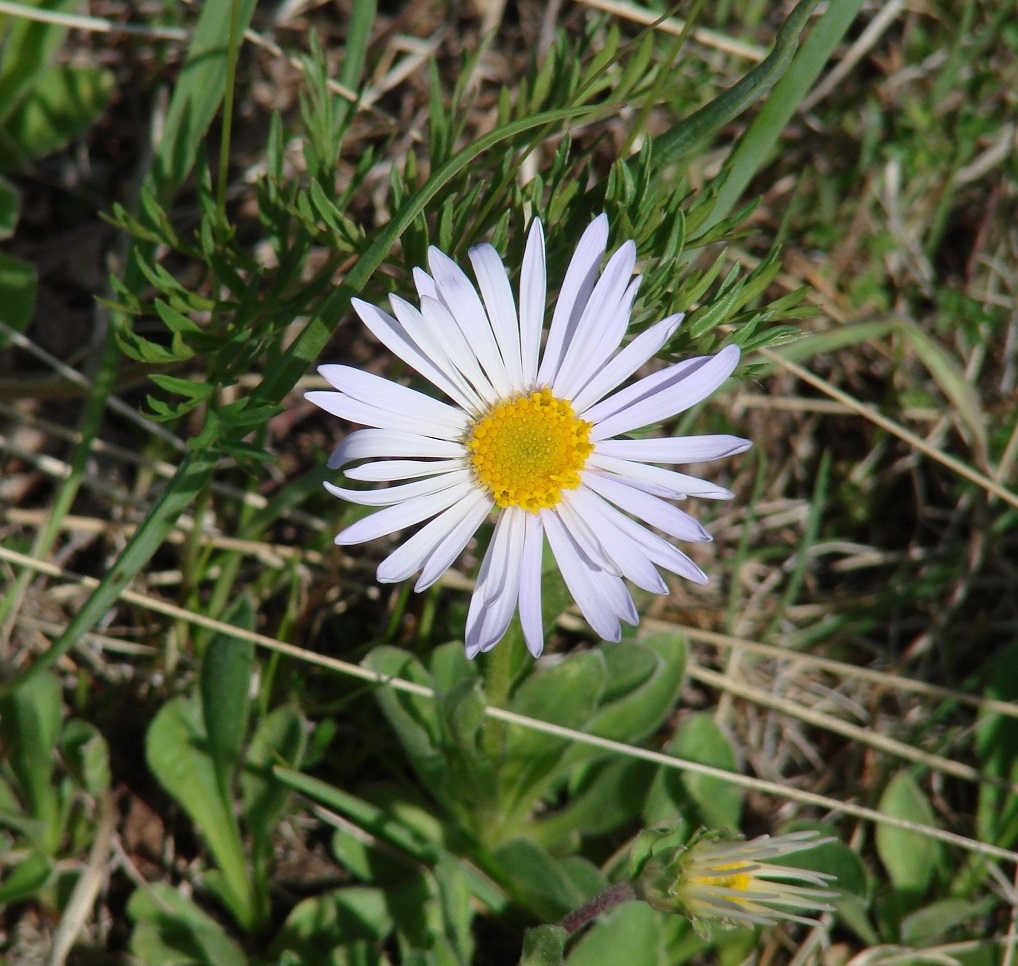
x=613, y=896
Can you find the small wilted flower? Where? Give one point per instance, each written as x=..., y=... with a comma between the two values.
x=728, y=881
x=537, y=436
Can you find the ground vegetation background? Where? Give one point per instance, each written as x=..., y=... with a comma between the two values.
x=174, y=791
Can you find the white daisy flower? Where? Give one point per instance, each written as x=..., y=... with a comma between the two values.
x=733, y=881
x=536, y=437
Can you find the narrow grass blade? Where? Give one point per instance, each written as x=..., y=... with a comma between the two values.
x=196, y=97
x=704, y=123
x=755, y=147
x=192, y=477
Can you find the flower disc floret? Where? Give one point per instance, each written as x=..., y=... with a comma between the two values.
x=526, y=451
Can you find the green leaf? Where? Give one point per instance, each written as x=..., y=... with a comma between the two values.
x=414, y=719
x=633, y=934
x=196, y=97
x=613, y=792
x=170, y=930
x=368, y=861
x=373, y=819
x=544, y=946
x=192, y=389
x=953, y=382
x=853, y=913
x=177, y=751
x=174, y=320
x=792, y=81
x=18, y=285
x=336, y=919
x=279, y=739
x=30, y=719
x=535, y=879
x=457, y=907
x=225, y=684
x=935, y=921
x=644, y=681
x=85, y=750
x=699, y=799
x=26, y=879
x=565, y=694
x=28, y=46
x=65, y=102
x=910, y=857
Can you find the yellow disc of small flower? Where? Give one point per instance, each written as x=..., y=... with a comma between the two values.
x=739, y=878
x=525, y=451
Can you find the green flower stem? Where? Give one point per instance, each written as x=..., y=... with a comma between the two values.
x=497, y=680
x=603, y=902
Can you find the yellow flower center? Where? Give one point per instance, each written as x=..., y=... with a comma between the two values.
x=526, y=451
x=736, y=881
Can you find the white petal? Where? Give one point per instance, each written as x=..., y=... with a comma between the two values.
x=675, y=449
x=584, y=535
x=533, y=296
x=436, y=347
x=501, y=308
x=643, y=348
x=385, y=471
x=667, y=518
x=374, y=443
x=475, y=508
x=659, y=551
x=398, y=340
x=602, y=518
x=412, y=554
x=461, y=352
x=572, y=298
x=654, y=479
x=674, y=397
x=402, y=515
x=425, y=284
x=615, y=324
x=497, y=590
x=582, y=579
x=640, y=350
x=471, y=638
x=598, y=317
x=382, y=394
x=399, y=494
x=367, y=414
x=643, y=388
x=531, y=619
x=460, y=297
